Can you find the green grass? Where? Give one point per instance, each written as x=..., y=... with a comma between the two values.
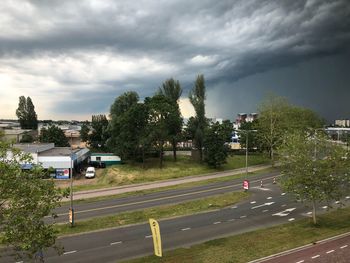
x=126, y=174
x=257, y=244
x=173, y=187
x=191, y=207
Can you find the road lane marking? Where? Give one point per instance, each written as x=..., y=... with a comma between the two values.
x=284, y=205
x=337, y=202
x=230, y=220
x=291, y=219
x=149, y=236
x=284, y=212
x=344, y=246
x=242, y=216
x=266, y=210
x=301, y=261
x=330, y=251
x=156, y=199
x=270, y=203
x=309, y=213
x=253, y=202
x=348, y=197
x=315, y=256
x=215, y=223
x=283, y=194
x=185, y=229
x=69, y=252
x=116, y=243
x=270, y=197
x=234, y=207
x=325, y=207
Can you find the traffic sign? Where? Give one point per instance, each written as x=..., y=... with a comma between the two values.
x=246, y=185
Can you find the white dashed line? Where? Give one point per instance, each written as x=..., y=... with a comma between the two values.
x=234, y=207
x=309, y=213
x=253, y=202
x=284, y=205
x=301, y=261
x=283, y=193
x=230, y=220
x=325, y=207
x=242, y=216
x=348, y=197
x=270, y=197
x=291, y=219
x=149, y=236
x=337, y=202
x=266, y=210
x=19, y=262
x=315, y=256
x=330, y=251
x=344, y=246
x=116, y=243
x=215, y=223
x=185, y=229
x=69, y=252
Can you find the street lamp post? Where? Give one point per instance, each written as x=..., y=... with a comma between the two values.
x=246, y=148
x=71, y=209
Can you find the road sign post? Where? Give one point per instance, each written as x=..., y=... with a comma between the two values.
x=246, y=185
x=157, y=242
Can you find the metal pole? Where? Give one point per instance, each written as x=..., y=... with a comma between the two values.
x=246, y=154
x=71, y=210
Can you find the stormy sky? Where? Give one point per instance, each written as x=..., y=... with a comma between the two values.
x=73, y=58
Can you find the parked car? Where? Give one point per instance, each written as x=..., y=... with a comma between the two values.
x=90, y=172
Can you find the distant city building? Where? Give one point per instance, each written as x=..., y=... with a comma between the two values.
x=342, y=123
x=16, y=135
x=244, y=117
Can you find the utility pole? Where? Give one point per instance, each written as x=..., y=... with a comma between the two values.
x=71, y=209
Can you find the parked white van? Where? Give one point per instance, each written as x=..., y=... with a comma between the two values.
x=90, y=172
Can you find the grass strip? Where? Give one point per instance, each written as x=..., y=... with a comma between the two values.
x=186, y=208
x=173, y=187
x=260, y=243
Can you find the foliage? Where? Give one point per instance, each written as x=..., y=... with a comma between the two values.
x=99, y=132
x=84, y=132
x=26, y=113
x=27, y=138
x=53, y=134
x=199, y=123
x=215, y=144
x=314, y=169
x=248, y=129
x=25, y=199
x=277, y=117
x=172, y=90
x=128, y=127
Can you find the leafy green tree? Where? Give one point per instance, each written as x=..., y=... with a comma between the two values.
x=215, y=143
x=53, y=134
x=197, y=97
x=277, y=118
x=162, y=113
x=27, y=138
x=84, y=132
x=26, y=113
x=172, y=90
x=99, y=132
x=252, y=137
x=314, y=169
x=25, y=199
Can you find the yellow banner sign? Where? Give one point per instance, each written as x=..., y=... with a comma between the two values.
x=157, y=242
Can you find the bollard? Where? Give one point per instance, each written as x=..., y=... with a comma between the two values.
x=261, y=184
x=274, y=180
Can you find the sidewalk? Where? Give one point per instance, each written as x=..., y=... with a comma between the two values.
x=158, y=184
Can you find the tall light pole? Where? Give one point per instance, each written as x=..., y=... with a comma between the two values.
x=71, y=209
x=246, y=148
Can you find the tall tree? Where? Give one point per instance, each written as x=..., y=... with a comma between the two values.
x=84, y=132
x=53, y=134
x=162, y=113
x=215, y=143
x=247, y=129
x=314, y=169
x=172, y=90
x=25, y=199
x=26, y=113
x=128, y=127
x=197, y=97
x=99, y=132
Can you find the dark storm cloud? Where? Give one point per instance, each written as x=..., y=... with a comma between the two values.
x=225, y=40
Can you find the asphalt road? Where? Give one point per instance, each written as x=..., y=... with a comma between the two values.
x=333, y=250
x=85, y=211
x=267, y=207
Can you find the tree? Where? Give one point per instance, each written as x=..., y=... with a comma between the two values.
x=252, y=138
x=84, y=132
x=197, y=97
x=277, y=117
x=27, y=138
x=215, y=143
x=26, y=113
x=99, y=132
x=172, y=90
x=25, y=199
x=53, y=134
x=162, y=113
x=314, y=169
